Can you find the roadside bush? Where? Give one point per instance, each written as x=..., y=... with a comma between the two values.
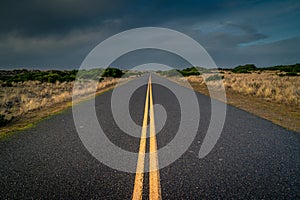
x=189, y=71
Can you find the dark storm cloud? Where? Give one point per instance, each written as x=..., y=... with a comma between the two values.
x=60, y=33
x=38, y=18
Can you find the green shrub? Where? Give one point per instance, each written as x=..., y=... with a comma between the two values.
x=189, y=71
x=112, y=72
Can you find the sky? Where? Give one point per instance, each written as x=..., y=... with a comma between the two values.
x=58, y=34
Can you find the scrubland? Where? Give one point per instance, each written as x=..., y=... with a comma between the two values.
x=22, y=98
x=267, y=94
x=273, y=93
x=266, y=85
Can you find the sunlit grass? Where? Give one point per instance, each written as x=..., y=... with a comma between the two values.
x=266, y=85
x=30, y=96
x=265, y=94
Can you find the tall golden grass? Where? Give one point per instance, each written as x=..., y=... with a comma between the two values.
x=267, y=85
x=32, y=95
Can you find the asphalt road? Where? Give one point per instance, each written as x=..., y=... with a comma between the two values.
x=253, y=158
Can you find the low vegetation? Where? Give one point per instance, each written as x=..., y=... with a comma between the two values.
x=24, y=91
x=29, y=96
x=272, y=93
x=51, y=76
x=279, y=84
x=191, y=71
x=7, y=78
x=247, y=87
x=267, y=85
x=264, y=94
x=281, y=70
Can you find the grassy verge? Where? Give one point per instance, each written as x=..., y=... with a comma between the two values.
x=287, y=116
x=34, y=116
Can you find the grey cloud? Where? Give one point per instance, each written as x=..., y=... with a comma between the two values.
x=39, y=18
x=61, y=32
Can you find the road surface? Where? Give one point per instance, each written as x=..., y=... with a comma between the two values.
x=253, y=158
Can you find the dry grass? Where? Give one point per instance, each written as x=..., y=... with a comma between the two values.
x=264, y=94
x=266, y=85
x=30, y=96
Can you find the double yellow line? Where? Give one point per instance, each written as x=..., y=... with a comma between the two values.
x=154, y=180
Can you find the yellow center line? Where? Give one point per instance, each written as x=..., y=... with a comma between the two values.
x=154, y=179
x=139, y=177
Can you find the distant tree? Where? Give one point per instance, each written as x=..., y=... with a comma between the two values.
x=285, y=68
x=244, y=68
x=112, y=72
